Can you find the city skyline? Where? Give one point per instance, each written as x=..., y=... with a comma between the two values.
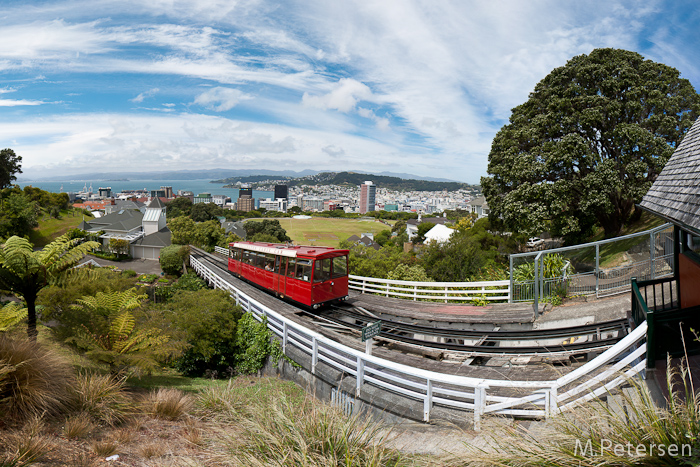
x=410, y=86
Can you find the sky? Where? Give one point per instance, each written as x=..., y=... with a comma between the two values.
x=418, y=87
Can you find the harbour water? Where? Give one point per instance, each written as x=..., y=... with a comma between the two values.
x=195, y=186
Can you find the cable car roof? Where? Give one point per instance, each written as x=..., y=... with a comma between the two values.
x=287, y=250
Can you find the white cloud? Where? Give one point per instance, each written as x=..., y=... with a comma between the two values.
x=221, y=99
x=344, y=97
x=18, y=102
x=146, y=94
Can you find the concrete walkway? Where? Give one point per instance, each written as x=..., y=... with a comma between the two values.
x=141, y=266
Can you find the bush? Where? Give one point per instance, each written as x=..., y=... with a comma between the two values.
x=103, y=398
x=173, y=258
x=33, y=380
x=129, y=273
x=169, y=404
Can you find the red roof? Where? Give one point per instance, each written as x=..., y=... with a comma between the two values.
x=290, y=250
x=94, y=205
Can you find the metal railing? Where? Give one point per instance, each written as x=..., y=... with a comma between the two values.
x=539, y=399
x=657, y=261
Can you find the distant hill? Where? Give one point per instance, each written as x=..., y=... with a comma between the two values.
x=354, y=179
x=209, y=174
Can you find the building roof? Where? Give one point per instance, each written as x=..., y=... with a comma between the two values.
x=289, y=250
x=432, y=220
x=156, y=203
x=675, y=195
x=124, y=220
x=439, y=233
x=162, y=238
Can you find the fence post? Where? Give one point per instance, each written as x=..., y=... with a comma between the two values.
x=537, y=284
x=387, y=289
x=415, y=292
x=428, y=401
x=445, y=294
x=284, y=337
x=479, y=405
x=510, y=277
x=652, y=254
x=314, y=355
x=360, y=375
x=651, y=340
x=597, y=268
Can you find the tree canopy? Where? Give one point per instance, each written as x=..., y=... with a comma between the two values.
x=588, y=144
x=10, y=165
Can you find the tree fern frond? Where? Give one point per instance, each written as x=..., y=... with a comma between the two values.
x=120, y=329
x=12, y=314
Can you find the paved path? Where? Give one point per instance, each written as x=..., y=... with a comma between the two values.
x=141, y=266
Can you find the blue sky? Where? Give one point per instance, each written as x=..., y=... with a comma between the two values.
x=407, y=86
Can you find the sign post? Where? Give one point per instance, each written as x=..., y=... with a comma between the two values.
x=368, y=332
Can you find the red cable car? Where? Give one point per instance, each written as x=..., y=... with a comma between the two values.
x=310, y=275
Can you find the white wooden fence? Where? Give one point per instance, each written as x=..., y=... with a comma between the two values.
x=475, y=396
x=462, y=291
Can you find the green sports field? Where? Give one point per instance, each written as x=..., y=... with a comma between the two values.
x=328, y=231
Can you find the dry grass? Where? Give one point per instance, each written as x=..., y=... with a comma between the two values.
x=34, y=381
x=169, y=404
x=25, y=446
x=78, y=426
x=103, y=398
x=151, y=450
x=104, y=447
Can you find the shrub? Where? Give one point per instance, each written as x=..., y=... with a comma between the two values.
x=78, y=426
x=255, y=342
x=33, y=379
x=173, y=258
x=129, y=273
x=103, y=398
x=24, y=447
x=190, y=281
x=169, y=404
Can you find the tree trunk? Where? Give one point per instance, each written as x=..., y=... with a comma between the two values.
x=31, y=316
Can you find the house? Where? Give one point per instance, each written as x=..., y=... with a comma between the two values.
x=365, y=240
x=671, y=316
x=236, y=228
x=479, y=206
x=439, y=234
x=412, y=224
x=146, y=231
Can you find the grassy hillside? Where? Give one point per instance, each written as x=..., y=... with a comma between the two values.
x=50, y=228
x=328, y=231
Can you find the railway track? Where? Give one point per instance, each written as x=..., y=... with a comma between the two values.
x=558, y=342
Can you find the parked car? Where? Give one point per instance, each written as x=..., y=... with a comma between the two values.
x=534, y=242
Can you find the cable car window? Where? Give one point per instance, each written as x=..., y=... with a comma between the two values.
x=279, y=265
x=322, y=270
x=303, y=272
x=291, y=264
x=247, y=257
x=340, y=267
x=260, y=260
x=269, y=262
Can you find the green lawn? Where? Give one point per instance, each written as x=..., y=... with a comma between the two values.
x=50, y=228
x=328, y=231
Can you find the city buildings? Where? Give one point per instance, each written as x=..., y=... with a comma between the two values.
x=368, y=195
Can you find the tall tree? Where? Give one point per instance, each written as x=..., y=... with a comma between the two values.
x=588, y=144
x=25, y=272
x=10, y=164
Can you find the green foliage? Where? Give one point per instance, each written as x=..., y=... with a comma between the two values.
x=182, y=229
x=18, y=215
x=190, y=281
x=148, y=278
x=25, y=272
x=588, y=144
x=553, y=265
x=423, y=228
x=404, y=272
x=178, y=207
x=56, y=301
x=173, y=258
x=466, y=254
x=10, y=166
x=129, y=273
x=202, y=212
x=11, y=314
x=117, y=340
x=271, y=227
x=368, y=262
x=119, y=246
x=203, y=322
x=255, y=343
x=209, y=234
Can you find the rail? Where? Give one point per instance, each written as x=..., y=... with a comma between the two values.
x=539, y=399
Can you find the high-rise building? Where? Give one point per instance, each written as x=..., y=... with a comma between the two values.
x=368, y=195
x=245, y=191
x=281, y=191
x=245, y=204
